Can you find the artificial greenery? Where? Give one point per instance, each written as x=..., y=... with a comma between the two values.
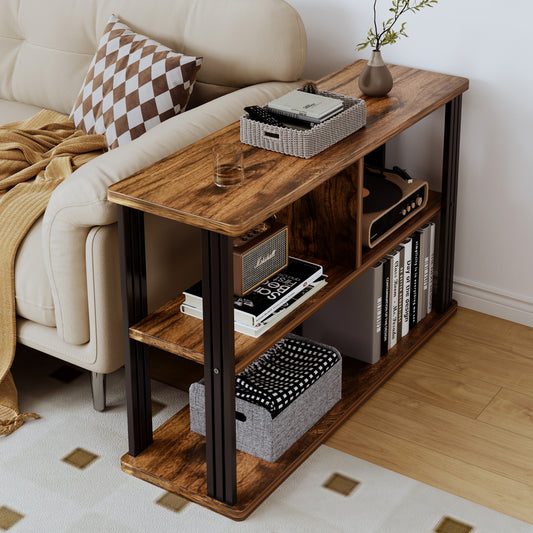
x=376, y=39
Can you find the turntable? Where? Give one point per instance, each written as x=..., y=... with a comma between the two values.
x=390, y=198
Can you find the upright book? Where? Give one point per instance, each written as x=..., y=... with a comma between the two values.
x=252, y=308
x=385, y=299
x=351, y=321
x=394, y=258
x=423, y=274
x=415, y=267
x=407, y=245
x=431, y=266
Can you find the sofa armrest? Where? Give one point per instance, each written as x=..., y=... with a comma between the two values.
x=80, y=202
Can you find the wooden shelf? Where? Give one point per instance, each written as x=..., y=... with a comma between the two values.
x=170, y=330
x=176, y=459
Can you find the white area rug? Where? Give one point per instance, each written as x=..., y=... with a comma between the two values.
x=40, y=493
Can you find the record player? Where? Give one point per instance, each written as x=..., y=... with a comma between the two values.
x=390, y=198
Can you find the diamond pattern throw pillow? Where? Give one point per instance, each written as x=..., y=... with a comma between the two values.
x=133, y=84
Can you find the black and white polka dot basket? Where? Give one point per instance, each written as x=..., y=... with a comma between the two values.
x=280, y=396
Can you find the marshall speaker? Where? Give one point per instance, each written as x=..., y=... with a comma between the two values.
x=258, y=255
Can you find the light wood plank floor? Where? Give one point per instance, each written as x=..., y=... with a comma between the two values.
x=458, y=415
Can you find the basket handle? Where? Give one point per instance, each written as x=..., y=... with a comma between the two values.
x=272, y=135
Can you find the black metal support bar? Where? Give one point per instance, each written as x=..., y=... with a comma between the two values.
x=376, y=158
x=450, y=166
x=137, y=362
x=219, y=366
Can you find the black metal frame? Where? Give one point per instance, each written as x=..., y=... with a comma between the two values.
x=134, y=306
x=219, y=366
x=450, y=168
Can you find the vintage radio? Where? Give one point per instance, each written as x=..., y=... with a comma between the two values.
x=259, y=254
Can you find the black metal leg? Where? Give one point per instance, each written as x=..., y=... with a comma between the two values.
x=137, y=362
x=219, y=366
x=450, y=165
x=376, y=158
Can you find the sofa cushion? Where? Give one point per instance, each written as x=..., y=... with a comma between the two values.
x=46, y=47
x=133, y=84
x=14, y=111
x=33, y=295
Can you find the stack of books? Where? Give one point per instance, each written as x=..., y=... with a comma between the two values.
x=374, y=312
x=264, y=306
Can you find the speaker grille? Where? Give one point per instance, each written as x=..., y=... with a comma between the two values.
x=264, y=260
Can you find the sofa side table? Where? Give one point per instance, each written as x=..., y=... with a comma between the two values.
x=320, y=199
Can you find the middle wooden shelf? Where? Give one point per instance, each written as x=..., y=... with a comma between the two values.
x=169, y=329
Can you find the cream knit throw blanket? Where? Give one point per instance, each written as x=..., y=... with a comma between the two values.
x=36, y=155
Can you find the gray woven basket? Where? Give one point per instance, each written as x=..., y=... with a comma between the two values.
x=306, y=143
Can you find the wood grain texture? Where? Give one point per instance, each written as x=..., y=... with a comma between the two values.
x=424, y=436
x=176, y=459
x=180, y=187
x=490, y=448
x=503, y=353
x=443, y=388
x=512, y=411
x=326, y=222
x=443, y=471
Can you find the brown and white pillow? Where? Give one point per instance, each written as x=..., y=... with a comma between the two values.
x=133, y=84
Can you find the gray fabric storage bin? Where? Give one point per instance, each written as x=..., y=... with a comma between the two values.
x=257, y=433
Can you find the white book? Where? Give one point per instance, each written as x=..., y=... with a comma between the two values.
x=407, y=245
x=274, y=318
x=431, y=265
x=307, y=106
x=394, y=293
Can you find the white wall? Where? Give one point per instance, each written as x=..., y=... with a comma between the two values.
x=489, y=44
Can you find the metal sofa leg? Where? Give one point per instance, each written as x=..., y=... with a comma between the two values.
x=98, y=390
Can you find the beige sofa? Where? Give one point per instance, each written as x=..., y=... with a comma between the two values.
x=66, y=272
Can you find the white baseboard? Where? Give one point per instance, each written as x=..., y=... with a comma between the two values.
x=492, y=301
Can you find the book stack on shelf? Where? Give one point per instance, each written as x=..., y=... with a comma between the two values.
x=380, y=307
x=272, y=300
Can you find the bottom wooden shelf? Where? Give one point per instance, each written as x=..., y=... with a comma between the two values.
x=176, y=459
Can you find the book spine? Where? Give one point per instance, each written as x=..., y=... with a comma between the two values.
x=273, y=319
x=393, y=299
x=310, y=280
x=385, y=297
x=377, y=311
x=431, y=266
x=423, y=271
x=415, y=263
x=407, y=245
x=400, y=291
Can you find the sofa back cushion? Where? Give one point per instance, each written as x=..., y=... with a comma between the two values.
x=46, y=47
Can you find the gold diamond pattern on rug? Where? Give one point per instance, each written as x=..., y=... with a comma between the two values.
x=450, y=525
x=80, y=458
x=8, y=518
x=342, y=484
x=157, y=407
x=173, y=502
x=66, y=373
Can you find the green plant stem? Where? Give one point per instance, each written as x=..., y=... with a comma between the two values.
x=385, y=30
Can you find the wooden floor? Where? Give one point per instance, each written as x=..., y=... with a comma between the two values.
x=458, y=415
